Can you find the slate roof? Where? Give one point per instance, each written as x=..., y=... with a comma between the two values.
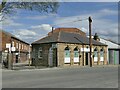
x=12, y=36
x=66, y=37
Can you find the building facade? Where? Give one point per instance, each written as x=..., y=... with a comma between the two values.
x=67, y=47
x=10, y=44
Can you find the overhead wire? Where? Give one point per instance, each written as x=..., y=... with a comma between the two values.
x=70, y=22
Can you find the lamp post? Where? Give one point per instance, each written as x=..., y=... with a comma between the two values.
x=90, y=40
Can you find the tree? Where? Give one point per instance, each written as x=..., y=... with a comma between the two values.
x=8, y=8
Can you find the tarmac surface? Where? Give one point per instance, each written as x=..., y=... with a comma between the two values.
x=67, y=77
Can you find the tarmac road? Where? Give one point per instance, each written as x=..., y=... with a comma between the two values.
x=79, y=77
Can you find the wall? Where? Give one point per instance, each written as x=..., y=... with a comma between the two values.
x=59, y=55
x=40, y=61
x=82, y=55
x=7, y=38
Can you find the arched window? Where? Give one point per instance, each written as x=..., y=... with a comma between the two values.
x=101, y=55
x=67, y=55
x=67, y=52
x=40, y=52
x=76, y=55
x=95, y=54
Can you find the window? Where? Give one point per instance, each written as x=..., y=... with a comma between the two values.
x=17, y=45
x=67, y=52
x=101, y=53
x=76, y=53
x=40, y=52
x=22, y=46
x=12, y=43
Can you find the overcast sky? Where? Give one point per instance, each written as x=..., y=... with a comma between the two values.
x=31, y=25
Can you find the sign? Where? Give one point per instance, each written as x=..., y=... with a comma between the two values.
x=12, y=48
x=76, y=59
x=16, y=53
x=86, y=49
x=8, y=45
x=67, y=60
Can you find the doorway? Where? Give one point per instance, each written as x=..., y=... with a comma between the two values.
x=16, y=58
x=86, y=58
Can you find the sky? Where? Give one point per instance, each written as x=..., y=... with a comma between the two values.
x=32, y=25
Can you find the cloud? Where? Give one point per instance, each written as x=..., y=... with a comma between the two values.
x=108, y=11
x=33, y=33
x=10, y=22
x=26, y=32
x=88, y=0
x=104, y=27
x=45, y=27
x=37, y=17
x=41, y=17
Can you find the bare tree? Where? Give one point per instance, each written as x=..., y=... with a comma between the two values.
x=9, y=8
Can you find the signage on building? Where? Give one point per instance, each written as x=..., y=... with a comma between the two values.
x=12, y=48
x=86, y=49
x=8, y=45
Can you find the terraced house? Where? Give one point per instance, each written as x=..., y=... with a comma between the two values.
x=11, y=44
x=67, y=47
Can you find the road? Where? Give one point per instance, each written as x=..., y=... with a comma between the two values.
x=80, y=77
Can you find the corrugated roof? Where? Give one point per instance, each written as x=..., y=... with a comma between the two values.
x=66, y=37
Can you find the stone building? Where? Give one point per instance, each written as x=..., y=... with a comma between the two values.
x=19, y=49
x=67, y=47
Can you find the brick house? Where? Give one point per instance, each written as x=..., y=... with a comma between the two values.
x=11, y=44
x=67, y=47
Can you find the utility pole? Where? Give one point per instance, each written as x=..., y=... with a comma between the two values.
x=90, y=40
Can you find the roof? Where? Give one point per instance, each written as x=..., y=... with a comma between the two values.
x=66, y=37
x=13, y=36
x=111, y=44
x=70, y=30
x=110, y=41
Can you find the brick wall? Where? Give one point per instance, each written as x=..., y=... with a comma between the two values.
x=24, y=48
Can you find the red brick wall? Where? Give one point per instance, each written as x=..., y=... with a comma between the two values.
x=7, y=38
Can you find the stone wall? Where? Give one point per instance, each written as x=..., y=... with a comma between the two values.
x=59, y=55
x=40, y=61
x=82, y=54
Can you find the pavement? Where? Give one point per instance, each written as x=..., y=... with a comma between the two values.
x=27, y=66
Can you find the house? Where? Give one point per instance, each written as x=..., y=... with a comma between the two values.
x=113, y=51
x=67, y=47
x=11, y=44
